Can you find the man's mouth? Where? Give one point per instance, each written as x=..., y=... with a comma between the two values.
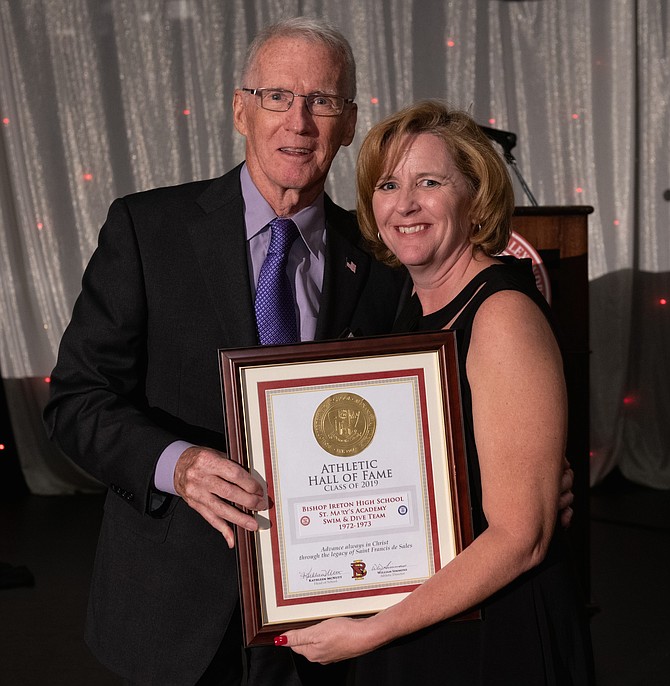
x=296, y=151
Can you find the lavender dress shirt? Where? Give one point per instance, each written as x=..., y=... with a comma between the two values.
x=305, y=269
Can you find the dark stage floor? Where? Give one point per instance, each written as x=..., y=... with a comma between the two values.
x=54, y=539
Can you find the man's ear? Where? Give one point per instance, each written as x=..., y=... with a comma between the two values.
x=351, y=112
x=239, y=112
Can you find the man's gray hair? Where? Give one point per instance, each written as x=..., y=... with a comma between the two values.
x=313, y=31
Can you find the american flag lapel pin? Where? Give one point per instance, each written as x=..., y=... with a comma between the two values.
x=351, y=265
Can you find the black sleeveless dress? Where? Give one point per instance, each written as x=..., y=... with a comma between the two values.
x=533, y=631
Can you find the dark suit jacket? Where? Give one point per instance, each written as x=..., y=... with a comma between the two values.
x=137, y=369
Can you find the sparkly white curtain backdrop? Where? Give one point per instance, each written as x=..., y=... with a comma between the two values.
x=104, y=97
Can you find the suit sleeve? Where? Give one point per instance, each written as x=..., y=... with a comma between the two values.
x=97, y=412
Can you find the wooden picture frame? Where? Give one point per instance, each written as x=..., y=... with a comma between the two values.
x=360, y=445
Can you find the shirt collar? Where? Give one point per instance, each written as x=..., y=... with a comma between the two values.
x=311, y=221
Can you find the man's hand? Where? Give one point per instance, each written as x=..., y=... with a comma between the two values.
x=566, y=495
x=216, y=487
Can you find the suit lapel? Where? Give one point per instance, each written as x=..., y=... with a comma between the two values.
x=219, y=241
x=346, y=271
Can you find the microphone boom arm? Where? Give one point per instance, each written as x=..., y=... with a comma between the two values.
x=507, y=140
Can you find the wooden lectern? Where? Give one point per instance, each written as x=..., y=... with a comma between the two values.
x=560, y=236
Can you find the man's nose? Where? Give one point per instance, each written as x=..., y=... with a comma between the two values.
x=299, y=118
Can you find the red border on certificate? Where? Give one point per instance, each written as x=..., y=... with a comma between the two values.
x=263, y=388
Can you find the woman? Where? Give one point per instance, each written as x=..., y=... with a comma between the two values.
x=435, y=197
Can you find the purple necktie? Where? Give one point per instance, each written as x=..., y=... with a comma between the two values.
x=275, y=308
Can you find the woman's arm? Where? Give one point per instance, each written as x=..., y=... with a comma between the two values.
x=520, y=415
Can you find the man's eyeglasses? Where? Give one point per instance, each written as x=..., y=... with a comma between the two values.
x=318, y=104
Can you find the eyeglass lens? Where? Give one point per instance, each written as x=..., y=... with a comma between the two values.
x=319, y=104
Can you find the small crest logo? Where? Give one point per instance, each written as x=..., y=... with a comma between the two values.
x=358, y=567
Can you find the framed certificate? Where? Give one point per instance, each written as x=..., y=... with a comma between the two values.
x=360, y=445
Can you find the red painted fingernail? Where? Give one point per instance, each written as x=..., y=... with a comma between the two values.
x=281, y=640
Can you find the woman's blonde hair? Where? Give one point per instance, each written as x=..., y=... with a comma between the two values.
x=485, y=173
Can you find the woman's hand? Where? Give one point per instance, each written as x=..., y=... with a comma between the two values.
x=330, y=641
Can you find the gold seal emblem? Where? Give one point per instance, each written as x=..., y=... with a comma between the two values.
x=344, y=424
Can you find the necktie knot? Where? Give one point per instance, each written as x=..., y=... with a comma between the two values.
x=283, y=234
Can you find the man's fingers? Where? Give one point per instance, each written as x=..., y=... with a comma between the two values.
x=217, y=523
x=567, y=479
x=229, y=513
x=566, y=496
x=204, y=469
x=223, y=516
x=238, y=486
x=565, y=499
x=566, y=517
x=216, y=488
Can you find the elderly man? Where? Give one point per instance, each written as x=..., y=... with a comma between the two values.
x=179, y=273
